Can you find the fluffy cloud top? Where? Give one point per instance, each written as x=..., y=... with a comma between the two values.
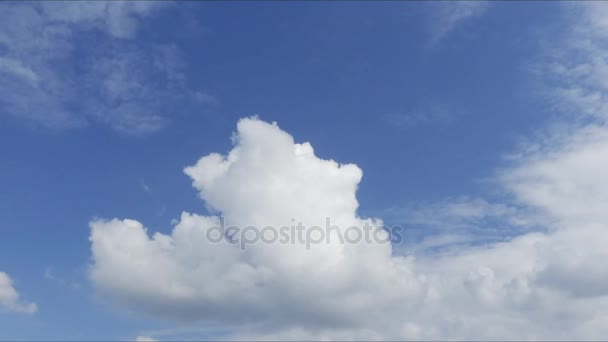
x=510, y=290
x=9, y=297
x=266, y=179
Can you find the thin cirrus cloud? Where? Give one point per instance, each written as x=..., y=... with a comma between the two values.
x=420, y=117
x=576, y=68
x=447, y=17
x=10, y=298
x=47, y=77
x=455, y=222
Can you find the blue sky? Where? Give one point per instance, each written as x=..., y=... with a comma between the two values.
x=447, y=108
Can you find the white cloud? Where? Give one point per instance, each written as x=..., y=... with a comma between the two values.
x=144, y=186
x=9, y=297
x=285, y=180
x=460, y=211
x=565, y=178
x=539, y=285
x=204, y=98
x=50, y=275
x=17, y=68
x=577, y=67
x=434, y=114
x=68, y=64
x=561, y=170
x=448, y=16
x=119, y=18
x=457, y=222
x=145, y=339
x=507, y=290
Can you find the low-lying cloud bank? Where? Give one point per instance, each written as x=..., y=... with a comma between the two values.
x=537, y=286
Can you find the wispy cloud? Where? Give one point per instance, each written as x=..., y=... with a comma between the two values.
x=575, y=69
x=49, y=274
x=144, y=186
x=430, y=115
x=67, y=64
x=460, y=221
x=447, y=16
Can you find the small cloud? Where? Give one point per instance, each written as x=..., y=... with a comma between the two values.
x=9, y=297
x=50, y=275
x=204, y=98
x=145, y=339
x=15, y=67
x=421, y=117
x=447, y=16
x=145, y=187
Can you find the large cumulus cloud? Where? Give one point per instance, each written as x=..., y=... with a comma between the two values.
x=548, y=284
x=544, y=285
x=266, y=179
